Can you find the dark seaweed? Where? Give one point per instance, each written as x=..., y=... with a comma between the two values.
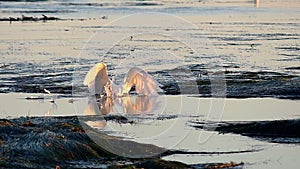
x=191, y=79
x=31, y=18
x=49, y=142
x=280, y=131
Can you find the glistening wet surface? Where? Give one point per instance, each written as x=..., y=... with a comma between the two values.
x=229, y=71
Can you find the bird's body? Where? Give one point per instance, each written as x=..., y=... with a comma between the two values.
x=98, y=82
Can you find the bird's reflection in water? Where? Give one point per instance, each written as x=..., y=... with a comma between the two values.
x=137, y=105
x=96, y=124
x=120, y=105
x=52, y=109
x=94, y=108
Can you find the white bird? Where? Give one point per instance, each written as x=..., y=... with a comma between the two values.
x=98, y=82
x=53, y=98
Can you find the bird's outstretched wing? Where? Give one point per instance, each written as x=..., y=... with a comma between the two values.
x=143, y=82
x=96, y=78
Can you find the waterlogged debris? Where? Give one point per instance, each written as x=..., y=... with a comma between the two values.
x=47, y=18
x=293, y=68
x=279, y=131
x=152, y=163
x=171, y=152
x=24, y=18
x=225, y=165
x=43, y=18
x=167, y=117
x=71, y=101
x=118, y=119
x=158, y=163
x=104, y=17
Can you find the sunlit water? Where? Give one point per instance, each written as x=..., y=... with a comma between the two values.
x=236, y=38
x=245, y=42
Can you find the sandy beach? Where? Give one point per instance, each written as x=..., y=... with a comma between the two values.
x=224, y=67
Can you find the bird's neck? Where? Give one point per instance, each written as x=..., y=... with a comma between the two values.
x=113, y=90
